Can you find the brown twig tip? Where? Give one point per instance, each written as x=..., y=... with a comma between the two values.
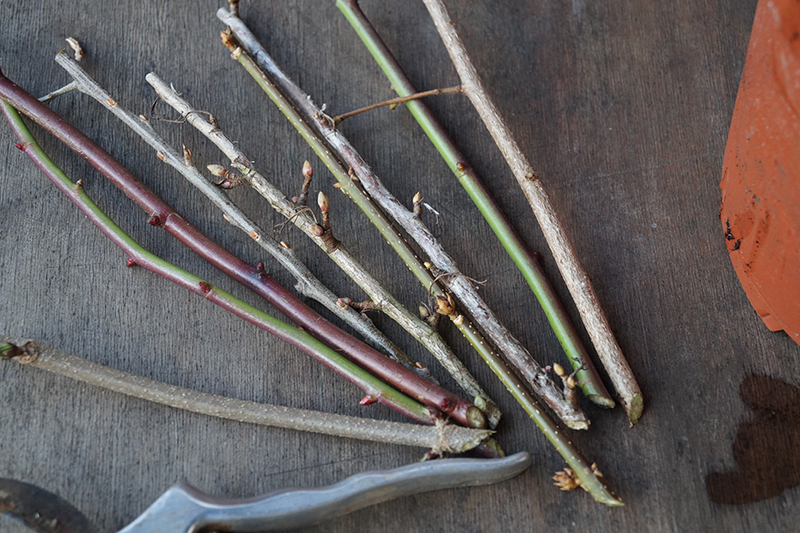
x=322, y=202
x=218, y=170
x=76, y=47
x=431, y=319
x=233, y=6
x=188, y=159
x=229, y=179
x=367, y=400
x=27, y=353
x=446, y=306
x=228, y=39
x=417, y=205
x=324, y=207
x=308, y=172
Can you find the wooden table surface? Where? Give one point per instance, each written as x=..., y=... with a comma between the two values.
x=623, y=107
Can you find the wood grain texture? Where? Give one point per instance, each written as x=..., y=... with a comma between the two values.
x=623, y=108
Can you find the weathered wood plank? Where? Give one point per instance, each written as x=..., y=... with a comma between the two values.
x=624, y=107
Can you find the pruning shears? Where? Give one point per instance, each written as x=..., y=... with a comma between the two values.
x=184, y=509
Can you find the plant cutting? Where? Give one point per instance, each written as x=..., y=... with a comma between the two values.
x=441, y=438
x=286, y=96
x=575, y=277
x=380, y=299
x=364, y=187
x=585, y=373
x=162, y=215
x=307, y=284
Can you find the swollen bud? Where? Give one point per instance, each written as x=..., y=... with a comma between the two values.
x=444, y=306
x=218, y=170
x=558, y=369
x=322, y=202
x=308, y=170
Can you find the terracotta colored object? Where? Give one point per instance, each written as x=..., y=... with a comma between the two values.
x=760, y=210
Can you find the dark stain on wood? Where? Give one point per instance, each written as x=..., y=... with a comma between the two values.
x=765, y=448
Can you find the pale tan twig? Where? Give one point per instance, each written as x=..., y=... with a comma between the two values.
x=575, y=277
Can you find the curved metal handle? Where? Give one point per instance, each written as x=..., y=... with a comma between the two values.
x=183, y=509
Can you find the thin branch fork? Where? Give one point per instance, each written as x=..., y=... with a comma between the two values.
x=423, y=331
x=263, y=66
x=575, y=277
x=448, y=438
x=396, y=101
x=307, y=284
x=162, y=215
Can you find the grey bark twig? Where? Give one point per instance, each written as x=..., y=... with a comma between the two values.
x=307, y=284
x=572, y=271
x=424, y=332
x=445, y=267
x=437, y=438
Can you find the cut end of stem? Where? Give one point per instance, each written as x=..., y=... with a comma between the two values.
x=27, y=353
x=494, y=447
x=475, y=417
x=603, y=401
x=635, y=408
x=577, y=424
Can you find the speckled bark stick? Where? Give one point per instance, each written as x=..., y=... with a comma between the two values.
x=574, y=275
x=450, y=437
x=307, y=284
x=380, y=297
